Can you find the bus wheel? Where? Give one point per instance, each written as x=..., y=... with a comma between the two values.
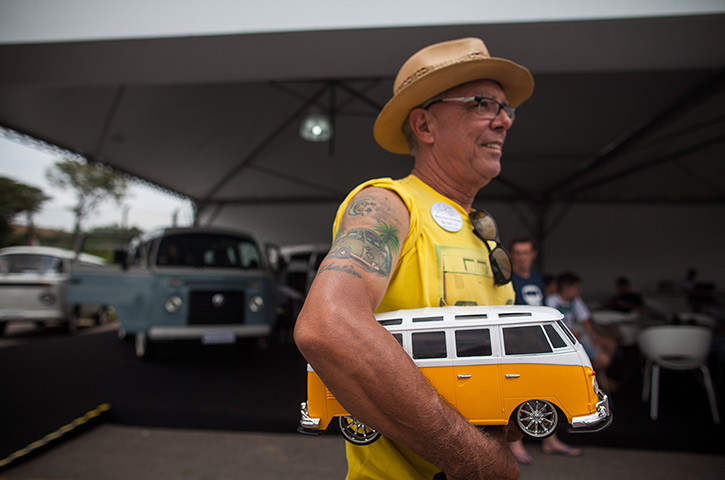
x=537, y=418
x=357, y=433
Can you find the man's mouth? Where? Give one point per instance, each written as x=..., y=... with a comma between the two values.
x=495, y=146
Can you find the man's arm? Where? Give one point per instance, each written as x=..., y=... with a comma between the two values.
x=365, y=367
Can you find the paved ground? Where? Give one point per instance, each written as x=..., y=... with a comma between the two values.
x=182, y=401
x=111, y=452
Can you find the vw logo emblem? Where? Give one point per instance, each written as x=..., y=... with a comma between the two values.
x=218, y=300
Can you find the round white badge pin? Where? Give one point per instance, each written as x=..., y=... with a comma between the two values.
x=446, y=217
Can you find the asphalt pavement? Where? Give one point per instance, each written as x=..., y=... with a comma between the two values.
x=218, y=413
x=116, y=452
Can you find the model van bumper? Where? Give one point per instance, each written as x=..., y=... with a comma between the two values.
x=308, y=425
x=595, y=422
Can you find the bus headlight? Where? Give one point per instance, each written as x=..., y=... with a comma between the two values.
x=46, y=298
x=256, y=303
x=173, y=303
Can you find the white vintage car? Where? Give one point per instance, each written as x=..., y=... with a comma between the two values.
x=33, y=284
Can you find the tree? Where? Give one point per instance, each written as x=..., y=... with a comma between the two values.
x=93, y=183
x=16, y=198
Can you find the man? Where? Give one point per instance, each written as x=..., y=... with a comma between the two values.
x=529, y=287
x=452, y=107
x=528, y=283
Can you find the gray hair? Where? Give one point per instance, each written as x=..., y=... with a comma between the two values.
x=410, y=137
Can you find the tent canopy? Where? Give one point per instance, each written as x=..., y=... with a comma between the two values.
x=626, y=110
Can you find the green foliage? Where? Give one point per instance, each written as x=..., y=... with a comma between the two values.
x=17, y=198
x=104, y=241
x=92, y=183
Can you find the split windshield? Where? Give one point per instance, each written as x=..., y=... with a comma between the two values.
x=208, y=250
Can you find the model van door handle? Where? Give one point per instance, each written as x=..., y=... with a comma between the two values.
x=513, y=375
x=464, y=376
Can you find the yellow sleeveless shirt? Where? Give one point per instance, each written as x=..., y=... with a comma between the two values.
x=442, y=262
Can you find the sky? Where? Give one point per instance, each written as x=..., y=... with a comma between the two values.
x=147, y=207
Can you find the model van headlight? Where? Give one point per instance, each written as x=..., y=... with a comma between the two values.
x=173, y=304
x=256, y=303
x=595, y=384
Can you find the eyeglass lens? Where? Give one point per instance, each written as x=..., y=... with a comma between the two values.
x=485, y=225
x=488, y=107
x=501, y=265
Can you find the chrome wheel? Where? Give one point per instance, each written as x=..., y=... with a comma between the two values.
x=537, y=418
x=356, y=432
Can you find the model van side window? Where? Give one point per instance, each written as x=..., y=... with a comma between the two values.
x=391, y=321
x=399, y=338
x=427, y=319
x=554, y=337
x=525, y=340
x=473, y=343
x=567, y=332
x=429, y=345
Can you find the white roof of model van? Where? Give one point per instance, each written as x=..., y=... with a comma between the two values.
x=479, y=315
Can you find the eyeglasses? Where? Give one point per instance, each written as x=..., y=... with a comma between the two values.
x=485, y=228
x=486, y=107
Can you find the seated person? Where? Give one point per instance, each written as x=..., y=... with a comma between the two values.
x=626, y=300
x=577, y=317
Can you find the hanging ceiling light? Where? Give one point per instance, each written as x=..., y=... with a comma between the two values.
x=316, y=127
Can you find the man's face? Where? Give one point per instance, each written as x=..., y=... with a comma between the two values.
x=522, y=256
x=465, y=142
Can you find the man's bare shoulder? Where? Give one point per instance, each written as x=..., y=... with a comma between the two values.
x=372, y=228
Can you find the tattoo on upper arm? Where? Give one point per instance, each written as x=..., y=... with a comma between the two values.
x=362, y=206
x=341, y=268
x=373, y=247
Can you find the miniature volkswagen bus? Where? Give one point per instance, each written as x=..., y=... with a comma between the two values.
x=493, y=363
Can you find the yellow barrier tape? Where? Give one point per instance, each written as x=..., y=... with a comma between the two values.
x=104, y=407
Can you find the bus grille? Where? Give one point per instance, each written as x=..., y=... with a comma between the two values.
x=216, y=307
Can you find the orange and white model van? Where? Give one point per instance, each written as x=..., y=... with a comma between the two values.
x=493, y=363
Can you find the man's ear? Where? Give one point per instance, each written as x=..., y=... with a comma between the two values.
x=419, y=124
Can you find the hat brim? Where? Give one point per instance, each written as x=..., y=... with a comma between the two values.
x=516, y=81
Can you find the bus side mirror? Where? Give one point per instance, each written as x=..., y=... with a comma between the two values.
x=274, y=257
x=120, y=257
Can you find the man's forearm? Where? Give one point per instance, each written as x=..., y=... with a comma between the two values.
x=381, y=386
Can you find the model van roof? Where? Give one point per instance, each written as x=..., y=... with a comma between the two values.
x=459, y=316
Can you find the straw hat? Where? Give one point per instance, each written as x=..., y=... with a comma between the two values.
x=440, y=67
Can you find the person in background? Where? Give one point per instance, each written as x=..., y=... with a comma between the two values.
x=626, y=300
x=577, y=318
x=530, y=290
x=452, y=107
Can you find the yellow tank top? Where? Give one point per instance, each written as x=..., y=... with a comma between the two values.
x=442, y=262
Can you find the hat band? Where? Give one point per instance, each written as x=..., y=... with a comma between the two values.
x=429, y=68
